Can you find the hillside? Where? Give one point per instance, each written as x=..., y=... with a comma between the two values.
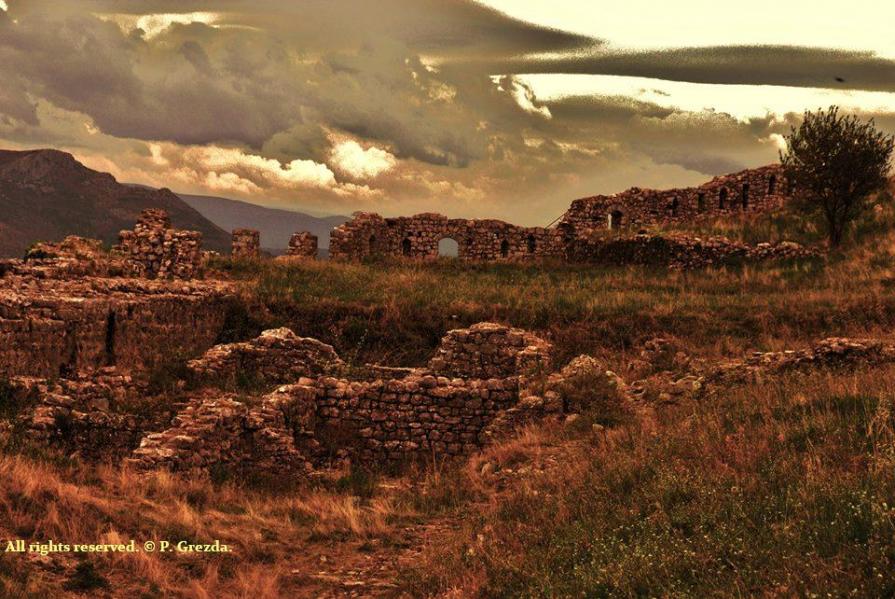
x=47, y=195
x=276, y=226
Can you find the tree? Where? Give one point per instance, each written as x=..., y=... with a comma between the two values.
x=834, y=162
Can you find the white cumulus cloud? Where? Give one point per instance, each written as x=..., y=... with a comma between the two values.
x=350, y=158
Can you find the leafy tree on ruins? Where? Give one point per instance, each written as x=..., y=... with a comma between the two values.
x=835, y=162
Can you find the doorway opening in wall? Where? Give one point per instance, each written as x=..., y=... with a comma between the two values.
x=615, y=220
x=674, y=206
x=405, y=247
x=371, y=244
x=722, y=198
x=745, y=197
x=700, y=202
x=531, y=244
x=448, y=248
x=772, y=185
x=504, y=248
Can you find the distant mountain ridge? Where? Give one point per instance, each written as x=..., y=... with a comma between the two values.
x=275, y=225
x=46, y=195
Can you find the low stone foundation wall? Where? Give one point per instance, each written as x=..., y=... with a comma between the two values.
x=489, y=350
x=52, y=328
x=679, y=251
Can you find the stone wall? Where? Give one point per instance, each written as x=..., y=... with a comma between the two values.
x=302, y=244
x=277, y=356
x=748, y=191
x=370, y=235
x=489, y=350
x=246, y=244
x=678, y=251
x=52, y=328
x=413, y=417
x=155, y=250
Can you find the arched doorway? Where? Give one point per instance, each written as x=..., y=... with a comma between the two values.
x=448, y=248
x=615, y=220
x=531, y=244
x=406, y=246
x=772, y=185
x=504, y=248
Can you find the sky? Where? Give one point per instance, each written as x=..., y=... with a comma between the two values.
x=502, y=108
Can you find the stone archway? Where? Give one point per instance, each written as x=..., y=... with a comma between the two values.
x=615, y=220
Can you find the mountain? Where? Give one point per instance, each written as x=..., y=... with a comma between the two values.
x=47, y=194
x=276, y=226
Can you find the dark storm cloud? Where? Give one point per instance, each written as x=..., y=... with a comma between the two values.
x=752, y=65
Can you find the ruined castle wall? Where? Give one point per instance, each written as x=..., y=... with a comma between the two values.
x=302, y=244
x=370, y=235
x=749, y=191
x=246, y=244
x=56, y=328
x=155, y=250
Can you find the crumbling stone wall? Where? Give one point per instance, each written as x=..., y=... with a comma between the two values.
x=303, y=245
x=749, y=191
x=679, y=251
x=277, y=356
x=419, y=236
x=52, y=328
x=155, y=250
x=490, y=350
x=220, y=431
x=246, y=244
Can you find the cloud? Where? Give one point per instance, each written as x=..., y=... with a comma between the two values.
x=352, y=159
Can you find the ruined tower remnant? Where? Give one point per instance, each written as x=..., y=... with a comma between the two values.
x=246, y=244
x=302, y=244
x=155, y=250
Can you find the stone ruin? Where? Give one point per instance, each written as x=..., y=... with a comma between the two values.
x=370, y=235
x=749, y=191
x=597, y=230
x=246, y=244
x=154, y=250
x=488, y=350
x=303, y=245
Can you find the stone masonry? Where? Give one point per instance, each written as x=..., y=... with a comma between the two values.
x=370, y=235
x=246, y=244
x=748, y=191
x=277, y=356
x=418, y=237
x=489, y=350
x=155, y=250
x=303, y=245
x=53, y=328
